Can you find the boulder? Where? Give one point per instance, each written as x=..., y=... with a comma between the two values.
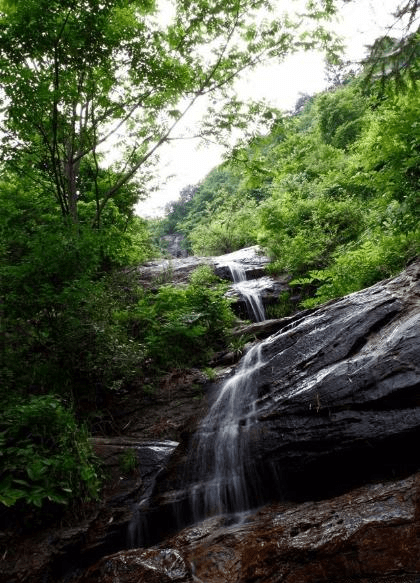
x=55, y=553
x=147, y=566
x=369, y=535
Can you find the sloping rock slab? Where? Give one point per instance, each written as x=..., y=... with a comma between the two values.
x=342, y=385
x=370, y=535
x=338, y=402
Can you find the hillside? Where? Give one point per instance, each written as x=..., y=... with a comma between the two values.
x=331, y=192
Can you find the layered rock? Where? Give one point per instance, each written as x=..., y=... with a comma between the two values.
x=337, y=403
x=178, y=270
x=102, y=529
x=370, y=535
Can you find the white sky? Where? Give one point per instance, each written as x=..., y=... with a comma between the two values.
x=361, y=22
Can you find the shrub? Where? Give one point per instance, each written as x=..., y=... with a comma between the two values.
x=181, y=325
x=302, y=234
x=370, y=261
x=45, y=455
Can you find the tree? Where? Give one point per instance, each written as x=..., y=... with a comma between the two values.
x=397, y=60
x=81, y=76
x=177, y=210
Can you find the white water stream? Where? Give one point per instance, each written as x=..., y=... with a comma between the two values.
x=248, y=289
x=223, y=470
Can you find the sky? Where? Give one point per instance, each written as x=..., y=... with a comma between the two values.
x=188, y=162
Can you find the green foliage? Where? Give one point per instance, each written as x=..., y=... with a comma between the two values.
x=219, y=184
x=210, y=373
x=332, y=193
x=301, y=234
x=45, y=456
x=283, y=307
x=340, y=116
x=60, y=62
x=180, y=326
x=229, y=225
x=58, y=295
x=372, y=260
x=395, y=63
x=129, y=461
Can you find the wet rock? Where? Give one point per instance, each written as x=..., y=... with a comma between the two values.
x=129, y=479
x=251, y=259
x=266, y=328
x=267, y=288
x=177, y=270
x=59, y=552
x=145, y=566
x=131, y=464
x=369, y=535
x=337, y=406
x=340, y=390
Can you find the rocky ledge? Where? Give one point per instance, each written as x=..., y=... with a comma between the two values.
x=178, y=270
x=370, y=535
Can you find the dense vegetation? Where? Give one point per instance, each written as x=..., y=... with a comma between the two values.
x=331, y=193
x=89, y=92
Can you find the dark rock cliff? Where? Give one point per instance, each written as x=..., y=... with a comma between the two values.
x=338, y=403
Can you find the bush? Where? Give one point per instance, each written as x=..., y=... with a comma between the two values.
x=229, y=225
x=302, y=234
x=72, y=346
x=181, y=325
x=45, y=456
x=362, y=266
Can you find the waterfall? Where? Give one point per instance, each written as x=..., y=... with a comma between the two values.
x=223, y=473
x=248, y=289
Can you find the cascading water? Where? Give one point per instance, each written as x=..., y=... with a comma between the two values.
x=225, y=478
x=248, y=289
x=223, y=473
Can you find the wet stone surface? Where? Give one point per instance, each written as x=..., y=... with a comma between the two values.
x=369, y=535
x=334, y=403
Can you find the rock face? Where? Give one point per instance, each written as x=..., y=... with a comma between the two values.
x=178, y=270
x=370, y=535
x=51, y=554
x=335, y=404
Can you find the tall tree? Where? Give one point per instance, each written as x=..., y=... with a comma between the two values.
x=80, y=76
